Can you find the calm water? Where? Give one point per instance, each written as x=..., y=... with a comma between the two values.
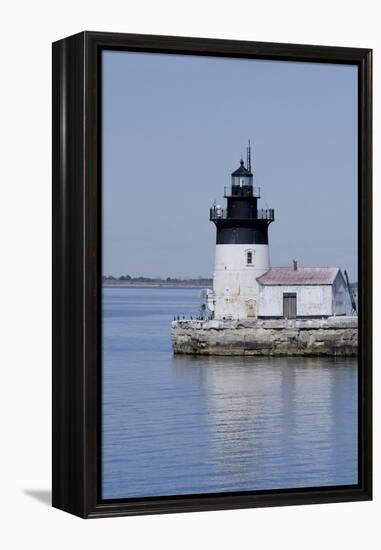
x=181, y=425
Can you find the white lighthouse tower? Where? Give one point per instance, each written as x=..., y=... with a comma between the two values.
x=242, y=247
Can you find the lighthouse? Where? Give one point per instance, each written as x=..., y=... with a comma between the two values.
x=245, y=287
x=242, y=247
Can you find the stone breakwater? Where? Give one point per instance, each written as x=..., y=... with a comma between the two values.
x=333, y=336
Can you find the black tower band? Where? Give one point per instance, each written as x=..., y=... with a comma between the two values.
x=242, y=222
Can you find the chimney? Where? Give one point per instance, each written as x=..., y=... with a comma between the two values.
x=295, y=263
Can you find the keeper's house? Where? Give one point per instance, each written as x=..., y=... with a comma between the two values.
x=301, y=292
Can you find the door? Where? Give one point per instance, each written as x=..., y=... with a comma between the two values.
x=289, y=305
x=251, y=308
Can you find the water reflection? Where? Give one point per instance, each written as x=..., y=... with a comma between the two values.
x=278, y=422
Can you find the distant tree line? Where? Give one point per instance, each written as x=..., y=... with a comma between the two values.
x=142, y=279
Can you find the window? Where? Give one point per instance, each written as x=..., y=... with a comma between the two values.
x=250, y=257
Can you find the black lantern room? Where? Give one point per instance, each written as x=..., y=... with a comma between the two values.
x=242, y=222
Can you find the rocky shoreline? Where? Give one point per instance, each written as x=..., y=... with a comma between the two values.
x=332, y=336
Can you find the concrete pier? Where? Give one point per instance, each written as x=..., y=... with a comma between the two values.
x=332, y=336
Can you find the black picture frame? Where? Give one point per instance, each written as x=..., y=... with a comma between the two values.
x=77, y=273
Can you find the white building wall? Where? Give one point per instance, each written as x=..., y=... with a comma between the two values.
x=234, y=282
x=311, y=300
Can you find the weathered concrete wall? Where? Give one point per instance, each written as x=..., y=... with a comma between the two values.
x=333, y=336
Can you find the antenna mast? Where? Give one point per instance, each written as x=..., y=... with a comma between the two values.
x=248, y=152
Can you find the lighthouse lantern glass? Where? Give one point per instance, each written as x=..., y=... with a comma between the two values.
x=242, y=181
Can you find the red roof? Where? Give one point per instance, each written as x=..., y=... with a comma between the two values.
x=300, y=276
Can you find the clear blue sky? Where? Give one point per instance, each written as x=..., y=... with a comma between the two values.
x=173, y=131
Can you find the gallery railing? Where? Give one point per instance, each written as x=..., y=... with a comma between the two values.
x=217, y=213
